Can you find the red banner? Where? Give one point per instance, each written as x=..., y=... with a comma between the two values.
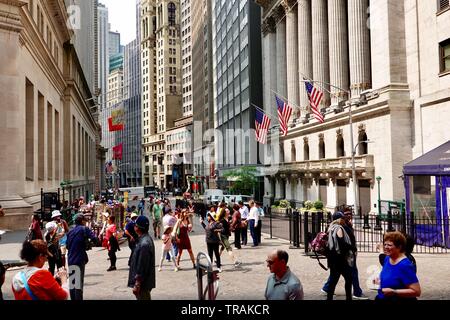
x=114, y=127
x=118, y=152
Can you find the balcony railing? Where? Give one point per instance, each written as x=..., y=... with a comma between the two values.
x=364, y=162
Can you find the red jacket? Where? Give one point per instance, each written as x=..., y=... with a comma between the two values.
x=42, y=284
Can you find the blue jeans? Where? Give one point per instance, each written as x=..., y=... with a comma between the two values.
x=253, y=232
x=357, y=291
x=175, y=250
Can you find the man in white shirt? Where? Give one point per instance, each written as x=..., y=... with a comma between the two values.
x=244, y=226
x=253, y=219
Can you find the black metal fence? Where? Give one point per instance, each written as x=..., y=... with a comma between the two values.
x=300, y=228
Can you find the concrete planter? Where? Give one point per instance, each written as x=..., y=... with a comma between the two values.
x=280, y=212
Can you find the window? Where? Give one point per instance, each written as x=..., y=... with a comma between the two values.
x=340, y=147
x=172, y=13
x=363, y=146
x=443, y=5
x=445, y=55
x=321, y=149
x=306, y=151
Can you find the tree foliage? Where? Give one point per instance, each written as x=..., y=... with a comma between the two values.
x=243, y=180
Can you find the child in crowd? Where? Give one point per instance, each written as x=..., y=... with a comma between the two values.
x=167, y=247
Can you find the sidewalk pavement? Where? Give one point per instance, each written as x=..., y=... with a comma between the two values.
x=246, y=282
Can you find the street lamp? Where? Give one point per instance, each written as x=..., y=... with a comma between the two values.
x=379, y=197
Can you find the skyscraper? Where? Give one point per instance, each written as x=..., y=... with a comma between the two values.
x=202, y=146
x=161, y=67
x=237, y=80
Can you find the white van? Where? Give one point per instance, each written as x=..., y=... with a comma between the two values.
x=212, y=196
x=231, y=199
x=134, y=193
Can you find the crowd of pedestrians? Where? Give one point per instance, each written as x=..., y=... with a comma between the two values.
x=172, y=227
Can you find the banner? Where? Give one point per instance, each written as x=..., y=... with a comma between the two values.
x=117, y=120
x=118, y=152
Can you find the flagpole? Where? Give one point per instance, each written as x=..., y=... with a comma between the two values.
x=350, y=103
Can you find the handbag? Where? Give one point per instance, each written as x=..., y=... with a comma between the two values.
x=30, y=235
x=244, y=223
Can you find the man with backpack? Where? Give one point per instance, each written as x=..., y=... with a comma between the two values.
x=351, y=256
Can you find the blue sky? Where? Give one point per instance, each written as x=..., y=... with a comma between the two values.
x=122, y=17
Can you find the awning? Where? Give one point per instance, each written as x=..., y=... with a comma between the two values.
x=434, y=163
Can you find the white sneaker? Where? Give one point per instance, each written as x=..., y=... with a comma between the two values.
x=159, y=269
x=361, y=297
x=219, y=269
x=176, y=270
x=323, y=292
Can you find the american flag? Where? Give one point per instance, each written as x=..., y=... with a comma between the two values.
x=262, y=123
x=284, y=114
x=315, y=96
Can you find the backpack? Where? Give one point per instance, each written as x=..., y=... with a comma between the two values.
x=319, y=246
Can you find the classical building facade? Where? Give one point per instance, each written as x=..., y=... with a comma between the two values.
x=48, y=134
x=391, y=70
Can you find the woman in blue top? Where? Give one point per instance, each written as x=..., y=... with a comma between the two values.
x=398, y=279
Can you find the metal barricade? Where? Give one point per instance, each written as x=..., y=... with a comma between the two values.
x=212, y=287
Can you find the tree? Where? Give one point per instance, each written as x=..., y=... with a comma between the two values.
x=244, y=180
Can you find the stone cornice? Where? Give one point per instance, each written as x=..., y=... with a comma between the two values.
x=33, y=40
x=10, y=15
x=56, y=9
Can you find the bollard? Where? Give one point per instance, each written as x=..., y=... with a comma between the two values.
x=412, y=226
x=390, y=227
x=295, y=229
x=290, y=227
x=378, y=224
x=403, y=222
x=305, y=229
x=366, y=222
x=269, y=211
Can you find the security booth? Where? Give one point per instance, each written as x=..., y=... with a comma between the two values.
x=49, y=202
x=427, y=188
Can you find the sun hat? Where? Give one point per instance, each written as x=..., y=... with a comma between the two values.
x=56, y=213
x=134, y=215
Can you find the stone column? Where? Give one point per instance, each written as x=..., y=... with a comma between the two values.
x=337, y=34
x=292, y=52
x=321, y=63
x=13, y=121
x=270, y=62
x=388, y=50
x=332, y=195
x=281, y=52
x=359, y=46
x=305, y=62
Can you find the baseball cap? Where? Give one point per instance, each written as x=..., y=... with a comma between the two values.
x=56, y=213
x=142, y=222
x=79, y=217
x=337, y=215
